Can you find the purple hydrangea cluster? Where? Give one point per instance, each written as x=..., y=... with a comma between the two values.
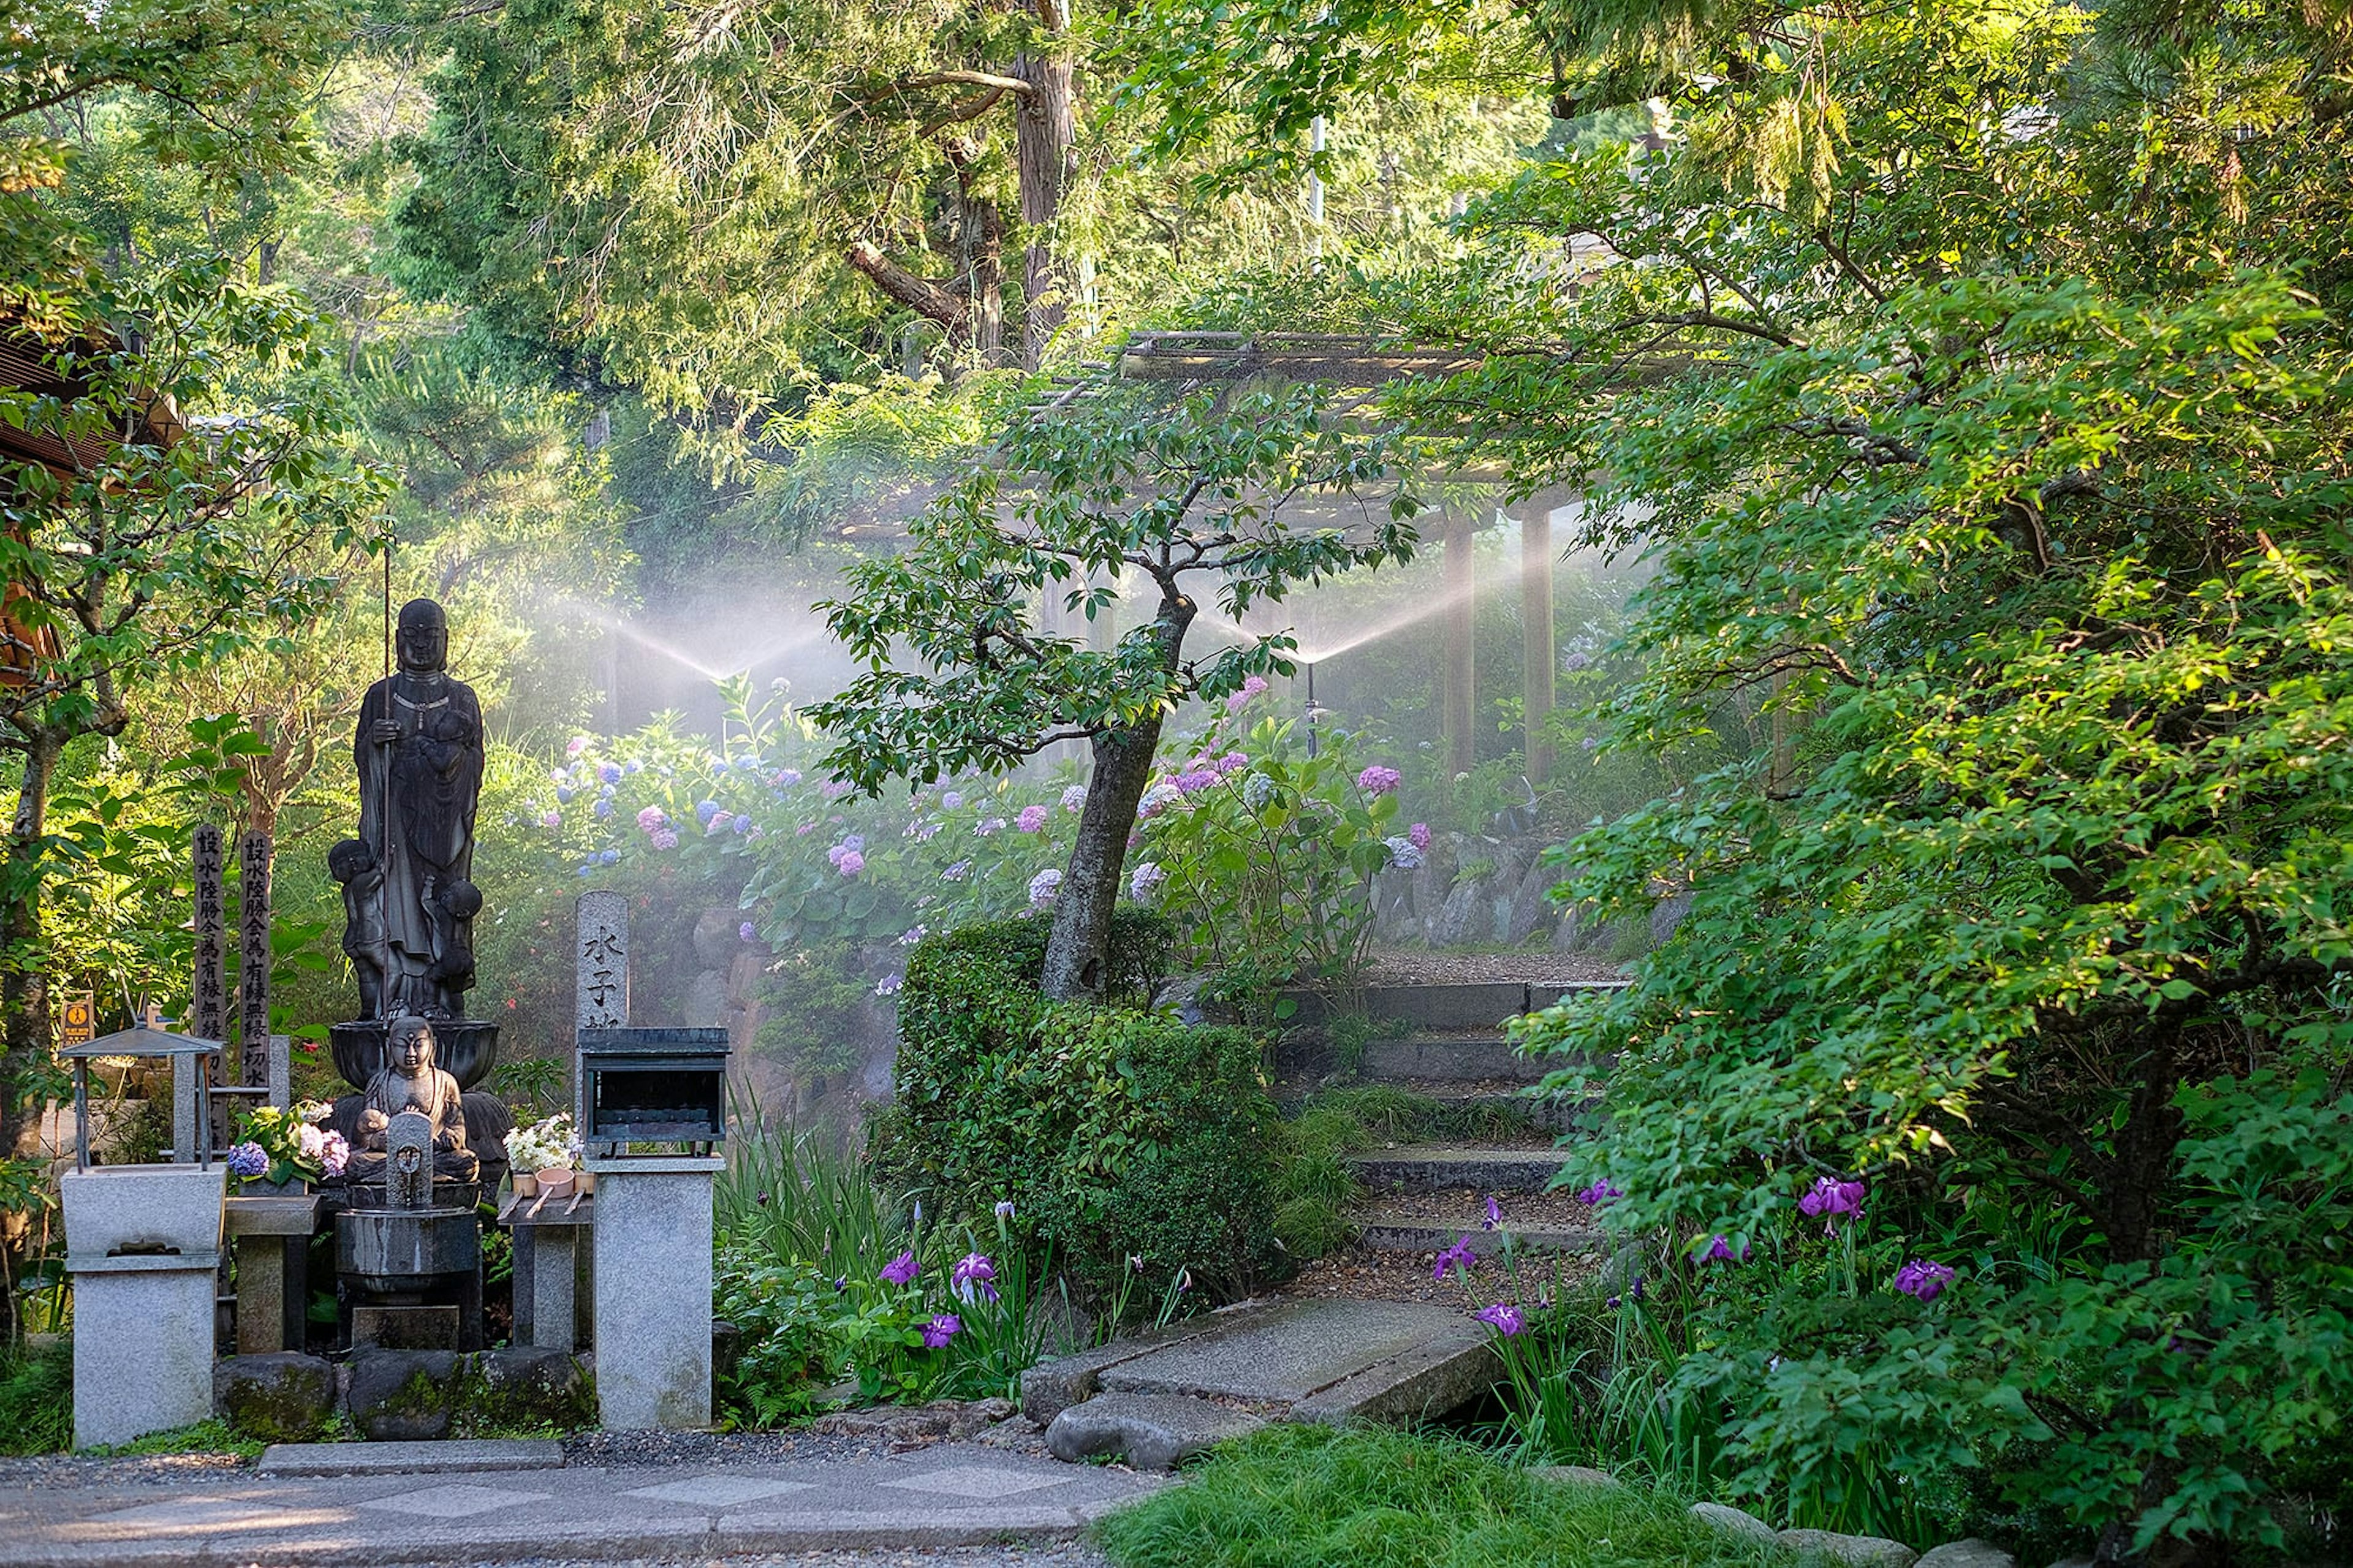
x=1379, y=780
x=1253, y=686
x=1074, y=798
x=1043, y=887
x=1157, y=799
x=1418, y=836
x=910, y=936
x=989, y=827
x=245, y=1161
x=1922, y=1278
x=1144, y=881
x=889, y=984
x=957, y=872
x=1031, y=820
x=1192, y=781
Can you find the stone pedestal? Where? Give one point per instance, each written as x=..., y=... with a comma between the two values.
x=652, y=1265
x=272, y=1237
x=142, y=1244
x=548, y=1233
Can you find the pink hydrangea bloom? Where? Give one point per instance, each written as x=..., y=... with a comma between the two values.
x=1418, y=836
x=1379, y=780
x=851, y=864
x=1032, y=819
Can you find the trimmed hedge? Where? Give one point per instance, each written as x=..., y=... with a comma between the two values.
x=1116, y=1131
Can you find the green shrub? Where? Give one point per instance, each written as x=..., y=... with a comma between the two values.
x=1116, y=1132
x=1365, y=1498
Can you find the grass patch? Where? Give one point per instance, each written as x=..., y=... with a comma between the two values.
x=1311, y=1497
x=213, y=1437
x=36, y=1400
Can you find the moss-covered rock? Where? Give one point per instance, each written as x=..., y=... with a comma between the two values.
x=403, y=1396
x=281, y=1398
x=525, y=1389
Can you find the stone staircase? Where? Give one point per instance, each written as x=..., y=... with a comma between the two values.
x=1422, y=1198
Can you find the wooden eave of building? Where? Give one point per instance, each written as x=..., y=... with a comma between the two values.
x=27, y=365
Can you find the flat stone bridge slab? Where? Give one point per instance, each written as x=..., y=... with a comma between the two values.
x=1310, y=1359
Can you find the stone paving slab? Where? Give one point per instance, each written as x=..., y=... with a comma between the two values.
x=950, y=1495
x=411, y=1459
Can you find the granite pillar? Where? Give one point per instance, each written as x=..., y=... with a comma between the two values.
x=143, y=1245
x=652, y=1253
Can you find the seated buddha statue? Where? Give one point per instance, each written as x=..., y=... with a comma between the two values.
x=408, y=1081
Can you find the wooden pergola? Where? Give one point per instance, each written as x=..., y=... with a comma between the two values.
x=1362, y=365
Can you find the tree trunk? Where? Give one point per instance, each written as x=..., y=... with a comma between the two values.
x=979, y=242
x=1539, y=657
x=23, y=995
x=1044, y=141
x=1076, y=952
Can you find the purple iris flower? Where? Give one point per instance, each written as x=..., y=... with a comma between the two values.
x=902, y=1269
x=1924, y=1280
x=1456, y=1256
x=974, y=1274
x=1598, y=1194
x=1503, y=1318
x=943, y=1327
x=1828, y=1199
x=1494, y=1214
x=1719, y=1250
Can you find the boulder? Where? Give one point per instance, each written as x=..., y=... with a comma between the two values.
x=1970, y=1554
x=1574, y=1476
x=1852, y=1551
x=718, y=938
x=403, y=1395
x=526, y=1388
x=1666, y=915
x=1155, y=1431
x=1529, y=904
x=1459, y=917
x=1732, y=1521
x=284, y=1397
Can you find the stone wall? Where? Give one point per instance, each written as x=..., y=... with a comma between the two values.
x=1504, y=903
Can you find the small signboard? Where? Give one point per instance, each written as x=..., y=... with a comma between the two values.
x=77, y=1019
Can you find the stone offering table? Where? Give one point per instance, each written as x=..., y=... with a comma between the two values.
x=547, y=1257
x=272, y=1237
x=652, y=1266
x=142, y=1244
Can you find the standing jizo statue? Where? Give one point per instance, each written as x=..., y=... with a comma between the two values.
x=408, y=898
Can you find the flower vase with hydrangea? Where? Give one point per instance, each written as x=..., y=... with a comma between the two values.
x=542, y=1157
x=286, y=1148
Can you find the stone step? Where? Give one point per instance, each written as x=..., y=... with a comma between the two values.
x=1443, y=1058
x=1470, y=1005
x=1431, y=1222
x=1550, y=1113
x=1436, y=1167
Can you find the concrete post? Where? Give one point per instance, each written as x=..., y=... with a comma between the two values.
x=1459, y=689
x=1539, y=660
x=652, y=1264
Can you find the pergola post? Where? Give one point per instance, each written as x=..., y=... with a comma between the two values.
x=1457, y=692
x=1539, y=661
